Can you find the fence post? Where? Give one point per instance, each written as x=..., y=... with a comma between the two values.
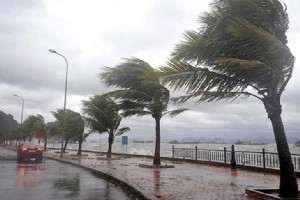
x=233, y=162
x=196, y=149
x=173, y=151
x=264, y=158
x=225, y=155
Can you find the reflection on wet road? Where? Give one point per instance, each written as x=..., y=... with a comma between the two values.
x=53, y=180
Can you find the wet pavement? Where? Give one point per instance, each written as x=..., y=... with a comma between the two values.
x=184, y=181
x=51, y=180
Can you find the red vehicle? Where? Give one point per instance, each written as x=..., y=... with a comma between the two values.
x=27, y=151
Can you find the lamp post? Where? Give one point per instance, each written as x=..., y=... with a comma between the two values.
x=21, y=112
x=64, y=112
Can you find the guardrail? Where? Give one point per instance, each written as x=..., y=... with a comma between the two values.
x=247, y=158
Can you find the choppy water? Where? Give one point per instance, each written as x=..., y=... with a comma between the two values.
x=166, y=148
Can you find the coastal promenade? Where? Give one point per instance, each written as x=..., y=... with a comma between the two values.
x=184, y=181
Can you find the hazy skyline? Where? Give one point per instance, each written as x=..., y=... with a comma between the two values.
x=92, y=34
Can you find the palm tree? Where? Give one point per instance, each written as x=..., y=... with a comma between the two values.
x=74, y=126
x=239, y=51
x=34, y=126
x=54, y=130
x=141, y=93
x=103, y=116
x=10, y=135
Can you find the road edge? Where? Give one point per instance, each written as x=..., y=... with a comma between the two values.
x=131, y=191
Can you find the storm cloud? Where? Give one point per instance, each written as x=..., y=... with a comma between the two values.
x=93, y=34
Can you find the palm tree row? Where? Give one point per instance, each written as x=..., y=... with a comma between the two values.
x=35, y=127
x=102, y=116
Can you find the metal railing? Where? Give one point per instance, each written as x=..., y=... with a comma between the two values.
x=261, y=159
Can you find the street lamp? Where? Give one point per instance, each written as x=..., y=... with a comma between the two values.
x=66, y=84
x=21, y=112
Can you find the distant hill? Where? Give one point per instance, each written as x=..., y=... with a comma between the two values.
x=7, y=122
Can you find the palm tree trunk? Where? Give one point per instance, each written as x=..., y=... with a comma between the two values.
x=110, y=142
x=79, y=147
x=65, y=146
x=288, y=187
x=45, y=143
x=156, y=160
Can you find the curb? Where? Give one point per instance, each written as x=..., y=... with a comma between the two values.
x=268, y=194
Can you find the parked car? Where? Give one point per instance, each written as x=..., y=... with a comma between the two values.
x=28, y=151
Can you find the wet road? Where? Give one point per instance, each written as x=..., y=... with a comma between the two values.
x=52, y=180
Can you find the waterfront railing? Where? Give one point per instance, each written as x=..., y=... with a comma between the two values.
x=261, y=159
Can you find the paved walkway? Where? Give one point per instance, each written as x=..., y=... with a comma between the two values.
x=184, y=181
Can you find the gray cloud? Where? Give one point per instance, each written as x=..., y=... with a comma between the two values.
x=92, y=34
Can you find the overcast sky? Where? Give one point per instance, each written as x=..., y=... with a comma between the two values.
x=92, y=34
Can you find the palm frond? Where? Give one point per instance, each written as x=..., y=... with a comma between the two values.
x=95, y=126
x=253, y=72
x=246, y=38
x=174, y=113
x=132, y=95
x=102, y=113
x=210, y=96
x=269, y=15
x=137, y=112
x=122, y=130
x=240, y=39
x=131, y=74
x=180, y=74
x=141, y=92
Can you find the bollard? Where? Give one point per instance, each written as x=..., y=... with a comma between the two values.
x=233, y=162
x=225, y=155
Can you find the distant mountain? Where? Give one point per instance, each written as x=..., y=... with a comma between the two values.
x=203, y=140
x=189, y=139
x=7, y=122
x=293, y=140
x=263, y=140
x=218, y=140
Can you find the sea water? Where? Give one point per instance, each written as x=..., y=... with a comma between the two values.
x=166, y=148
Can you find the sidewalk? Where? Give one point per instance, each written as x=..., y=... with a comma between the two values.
x=184, y=181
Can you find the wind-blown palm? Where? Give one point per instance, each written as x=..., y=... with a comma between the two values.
x=240, y=51
x=103, y=116
x=73, y=126
x=34, y=126
x=141, y=93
